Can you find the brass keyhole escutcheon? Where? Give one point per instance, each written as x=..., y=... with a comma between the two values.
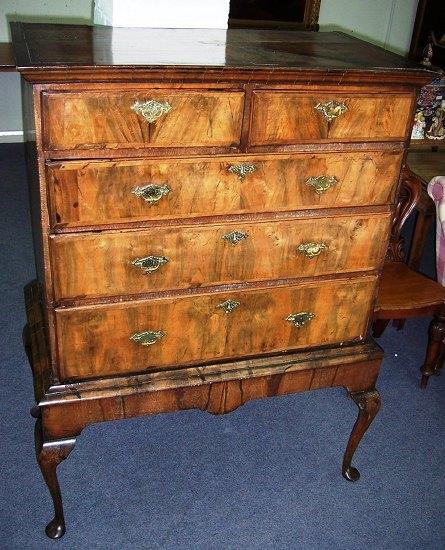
x=151, y=110
x=229, y=305
x=242, y=170
x=301, y=318
x=234, y=237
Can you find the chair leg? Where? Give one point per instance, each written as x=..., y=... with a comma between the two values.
x=441, y=359
x=379, y=326
x=434, y=350
x=399, y=323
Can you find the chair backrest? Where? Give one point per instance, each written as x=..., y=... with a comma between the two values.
x=436, y=191
x=410, y=189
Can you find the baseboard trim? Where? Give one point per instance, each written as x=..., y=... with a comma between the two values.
x=11, y=136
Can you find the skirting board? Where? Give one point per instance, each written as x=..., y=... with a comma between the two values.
x=11, y=137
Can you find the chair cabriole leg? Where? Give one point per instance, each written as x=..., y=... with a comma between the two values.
x=436, y=335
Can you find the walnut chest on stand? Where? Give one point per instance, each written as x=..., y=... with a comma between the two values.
x=210, y=212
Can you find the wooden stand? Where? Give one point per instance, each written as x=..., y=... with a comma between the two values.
x=65, y=410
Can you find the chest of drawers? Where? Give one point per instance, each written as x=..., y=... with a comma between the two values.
x=206, y=232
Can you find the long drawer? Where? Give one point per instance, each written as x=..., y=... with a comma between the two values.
x=295, y=117
x=141, y=118
x=135, y=336
x=101, y=192
x=132, y=262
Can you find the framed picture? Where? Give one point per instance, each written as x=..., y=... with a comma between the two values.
x=429, y=119
x=297, y=14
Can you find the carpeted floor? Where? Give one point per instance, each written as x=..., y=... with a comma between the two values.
x=266, y=476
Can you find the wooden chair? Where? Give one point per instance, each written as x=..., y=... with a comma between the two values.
x=405, y=293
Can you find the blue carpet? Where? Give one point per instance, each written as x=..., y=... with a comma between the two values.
x=266, y=476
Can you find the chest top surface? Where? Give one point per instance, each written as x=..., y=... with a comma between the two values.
x=91, y=48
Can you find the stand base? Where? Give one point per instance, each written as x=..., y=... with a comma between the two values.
x=63, y=411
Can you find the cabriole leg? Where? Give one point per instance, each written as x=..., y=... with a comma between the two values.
x=49, y=455
x=433, y=358
x=399, y=323
x=368, y=403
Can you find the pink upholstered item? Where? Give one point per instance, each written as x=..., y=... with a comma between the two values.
x=436, y=190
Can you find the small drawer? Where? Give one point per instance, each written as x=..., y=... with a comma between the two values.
x=133, y=337
x=100, y=192
x=297, y=117
x=134, y=262
x=141, y=118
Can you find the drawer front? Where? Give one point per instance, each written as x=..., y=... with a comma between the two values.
x=133, y=262
x=133, y=337
x=290, y=117
x=98, y=193
x=148, y=118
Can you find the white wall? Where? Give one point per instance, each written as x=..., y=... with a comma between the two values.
x=49, y=11
x=386, y=23
x=172, y=14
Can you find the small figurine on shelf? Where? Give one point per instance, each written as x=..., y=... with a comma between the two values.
x=437, y=128
x=427, y=54
x=419, y=126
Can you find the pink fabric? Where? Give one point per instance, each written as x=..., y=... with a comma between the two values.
x=436, y=190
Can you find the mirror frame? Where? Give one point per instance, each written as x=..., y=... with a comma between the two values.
x=309, y=23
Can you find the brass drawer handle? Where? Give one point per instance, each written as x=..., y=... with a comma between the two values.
x=151, y=193
x=321, y=183
x=234, y=237
x=242, y=170
x=300, y=319
x=331, y=109
x=148, y=337
x=150, y=263
x=151, y=110
x=311, y=250
x=229, y=305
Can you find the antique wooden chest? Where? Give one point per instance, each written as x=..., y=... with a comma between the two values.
x=211, y=212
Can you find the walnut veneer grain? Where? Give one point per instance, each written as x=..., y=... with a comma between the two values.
x=101, y=120
x=101, y=192
x=291, y=117
x=96, y=341
x=196, y=257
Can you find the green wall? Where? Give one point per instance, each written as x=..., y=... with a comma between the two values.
x=51, y=11
x=386, y=23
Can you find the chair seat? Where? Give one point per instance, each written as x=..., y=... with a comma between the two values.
x=406, y=293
